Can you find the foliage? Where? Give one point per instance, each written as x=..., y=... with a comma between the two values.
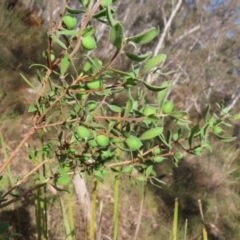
x=89, y=134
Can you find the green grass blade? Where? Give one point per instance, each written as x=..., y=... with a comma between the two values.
x=185, y=229
x=65, y=220
x=175, y=220
x=116, y=206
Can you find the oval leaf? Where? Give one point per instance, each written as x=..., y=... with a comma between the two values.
x=114, y=108
x=64, y=64
x=74, y=11
x=68, y=32
x=158, y=88
x=151, y=133
x=145, y=36
x=116, y=35
x=153, y=62
x=162, y=94
x=88, y=31
x=138, y=58
x=56, y=40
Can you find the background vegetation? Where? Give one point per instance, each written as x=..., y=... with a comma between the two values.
x=202, y=47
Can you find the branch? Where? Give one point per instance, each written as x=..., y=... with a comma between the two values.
x=164, y=33
x=166, y=28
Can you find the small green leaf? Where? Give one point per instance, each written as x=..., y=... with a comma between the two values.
x=110, y=16
x=141, y=179
x=127, y=169
x=114, y=108
x=194, y=131
x=88, y=31
x=162, y=139
x=158, y=159
x=177, y=156
x=102, y=13
x=235, y=117
x=63, y=179
x=59, y=42
x=98, y=174
x=128, y=107
x=162, y=94
x=133, y=142
x=151, y=133
x=95, y=65
x=116, y=35
x=208, y=146
x=149, y=170
x=28, y=82
x=74, y=11
x=145, y=36
x=153, y=62
x=64, y=64
x=158, y=88
x=225, y=139
x=178, y=115
x=138, y=58
x=68, y=32
x=32, y=109
x=169, y=137
x=197, y=151
x=206, y=112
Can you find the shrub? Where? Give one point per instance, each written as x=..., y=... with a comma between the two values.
x=81, y=136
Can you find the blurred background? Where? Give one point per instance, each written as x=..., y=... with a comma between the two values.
x=201, y=40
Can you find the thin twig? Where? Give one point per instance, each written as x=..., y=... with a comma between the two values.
x=24, y=179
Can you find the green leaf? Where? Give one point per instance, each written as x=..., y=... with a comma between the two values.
x=151, y=133
x=145, y=36
x=162, y=139
x=178, y=115
x=235, y=117
x=88, y=31
x=74, y=11
x=194, y=131
x=208, y=146
x=59, y=42
x=102, y=13
x=169, y=137
x=141, y=179
x=138, y=58
x=68, y=32
x=162, y=94
x=206, y=112
x=28, y=82
x=95, y=66
x=38, y=65
x=149, y=170
x=153, y=62
x=128, y=107
x=98, y=174
x=64, y=64
x=127, y=169
x=225, y=139
x=116, y=35
x=32, y=109
x=158, y=88
x=158, y=159
x=110, y=16
x=197, y=151
x=63, y=179
x=114, y=108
